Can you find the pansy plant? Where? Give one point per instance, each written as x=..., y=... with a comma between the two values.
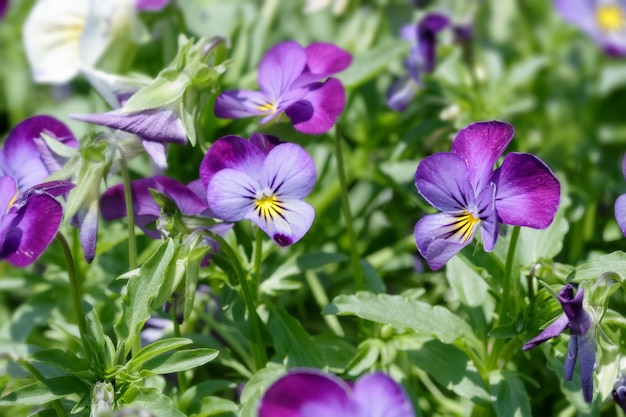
x=464, y=186
x=310, y=392
x=293, y=81
x=261, y=180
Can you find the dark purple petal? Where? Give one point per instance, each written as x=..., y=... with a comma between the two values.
x=264, y=142
x=570, y=358
x=87, y=222
x=285, y=221
x=54, y=188
x=586, y=360
x=527, y=192
x=553, y=330
x=158, y=125
x=307, y=393
x=579, y=320
x=441, y=179
x=25, y=155
x=620, y=212
x=231, y=152
x=322, y=61
x=4, y=6
x=441, y=236
x=280, y=67
x=391, y=399
x=289, y=172
x=463, y=33
x=231, y=194
x=236, y=104
x=32, y=229
x=488, y=217
x=619, y=392
x=151, y=5
x=427, y=31
x=401, y=93
x=319, y=110
x=480, y=145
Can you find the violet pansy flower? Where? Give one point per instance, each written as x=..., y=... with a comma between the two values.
x=620, y=204
x=421, y=60
x=602, y=20
x=581, y=344
x=151, y=5
x=463, y=185
x=294, y=81
x=309, y=392
x=619, y=392
x=4, y=6
x=261, y=181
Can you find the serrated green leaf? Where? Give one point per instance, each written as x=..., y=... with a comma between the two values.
x=613, y=262
x=155, y=349
x=42, y=392
x=179, y=361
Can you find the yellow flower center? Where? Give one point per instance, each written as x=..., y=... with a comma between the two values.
x=610, y=17
x=268, y=107
x=464, y=226
x=268, y=206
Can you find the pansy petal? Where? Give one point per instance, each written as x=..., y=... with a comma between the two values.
x=87, y=221
x=264, y=142
x=8, y=193
x=441, y=179
x=54, y=188
x=620, y=212
x=391, y=399
x=401, y=93
x=231, y=194
x=280, y=67
x=235, y=104
x=441, y=236
x=231, y=152
x=488, y=217
x=288, y=172
x=322, y=61
x=527, y=192
x=578, y=13
x=579, y=320
x=158, y=125
x=301, y=392
x=285, y=222
x=553, y=330
x=570, y=357
x=157, y=152
x=427, y=31
x=151, y=5
x=34, y=227
x=480, y=145
x=319, y=110
x=586, y=360
x=4, y=6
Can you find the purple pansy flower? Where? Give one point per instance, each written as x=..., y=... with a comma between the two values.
x=603, y=21
x=309, y=392
x=421, y=60
x=619, y=392
x=291, y=82
x=262, y=181
x=620, y=204
x=463, y=185
x=151, y=5
x=581, y=343
x=4, y=6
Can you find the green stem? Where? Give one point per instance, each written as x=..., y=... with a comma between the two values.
x=507, y=279
x=258, y=260
x=39, y=377
x=128, y=200
x=182, y=379
x=75, y=292
x=319, y=294
x=357, y=270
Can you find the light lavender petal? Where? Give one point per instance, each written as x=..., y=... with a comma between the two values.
x=287, y=224
x=390, y=398
x=280, y=67
x=440, y=236
x=442, y=179
x=289, y=172
x=231, y=194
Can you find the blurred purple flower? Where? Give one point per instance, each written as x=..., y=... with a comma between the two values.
x=603, y=21
x=4, y=6
x=464, y=187
x=263, y=181
x=619, y=392
x=581, y=343
x=421, y=60
x=29, y=220
x=310, y=392
x=151, y=5
x=290, y=78
x=620, y=204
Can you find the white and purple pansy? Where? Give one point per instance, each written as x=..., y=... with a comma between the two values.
x=464, y=186
x=261, y=180
x=312, y=393
x=295, y=81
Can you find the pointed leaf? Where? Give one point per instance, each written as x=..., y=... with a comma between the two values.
x=179, y=361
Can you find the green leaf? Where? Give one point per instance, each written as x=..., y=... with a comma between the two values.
x=403, y=313
x=42, y=392
x=165, y=90
x=190, y=401
x=155, y=349
x=179, y=361
x=314, y=260
x=61, y=359
x=365, y=66
x=142, y=288
x=148, y=399
x=292, y=341
x=467, y=283
x=59, y=147
x=510, y=394
x=613, y=262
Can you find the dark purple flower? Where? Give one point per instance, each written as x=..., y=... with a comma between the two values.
x=260, y=181
x=310, y=392
x=29, y=220
x=619, y=392
x=4, y=6
x=27, y=157
x=151, y=5
x=463, y=185
x=421, y=60
x=603, y=21
x=581, y=343
x=291, y=82
x=620, y=204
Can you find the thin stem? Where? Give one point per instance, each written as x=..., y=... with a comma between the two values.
x=357, y=270
x=75, y=291
x=507, y=279
x=182, y=379
x=128, y=200
x=258, y=258
x=39, y=377
x=319, y=294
